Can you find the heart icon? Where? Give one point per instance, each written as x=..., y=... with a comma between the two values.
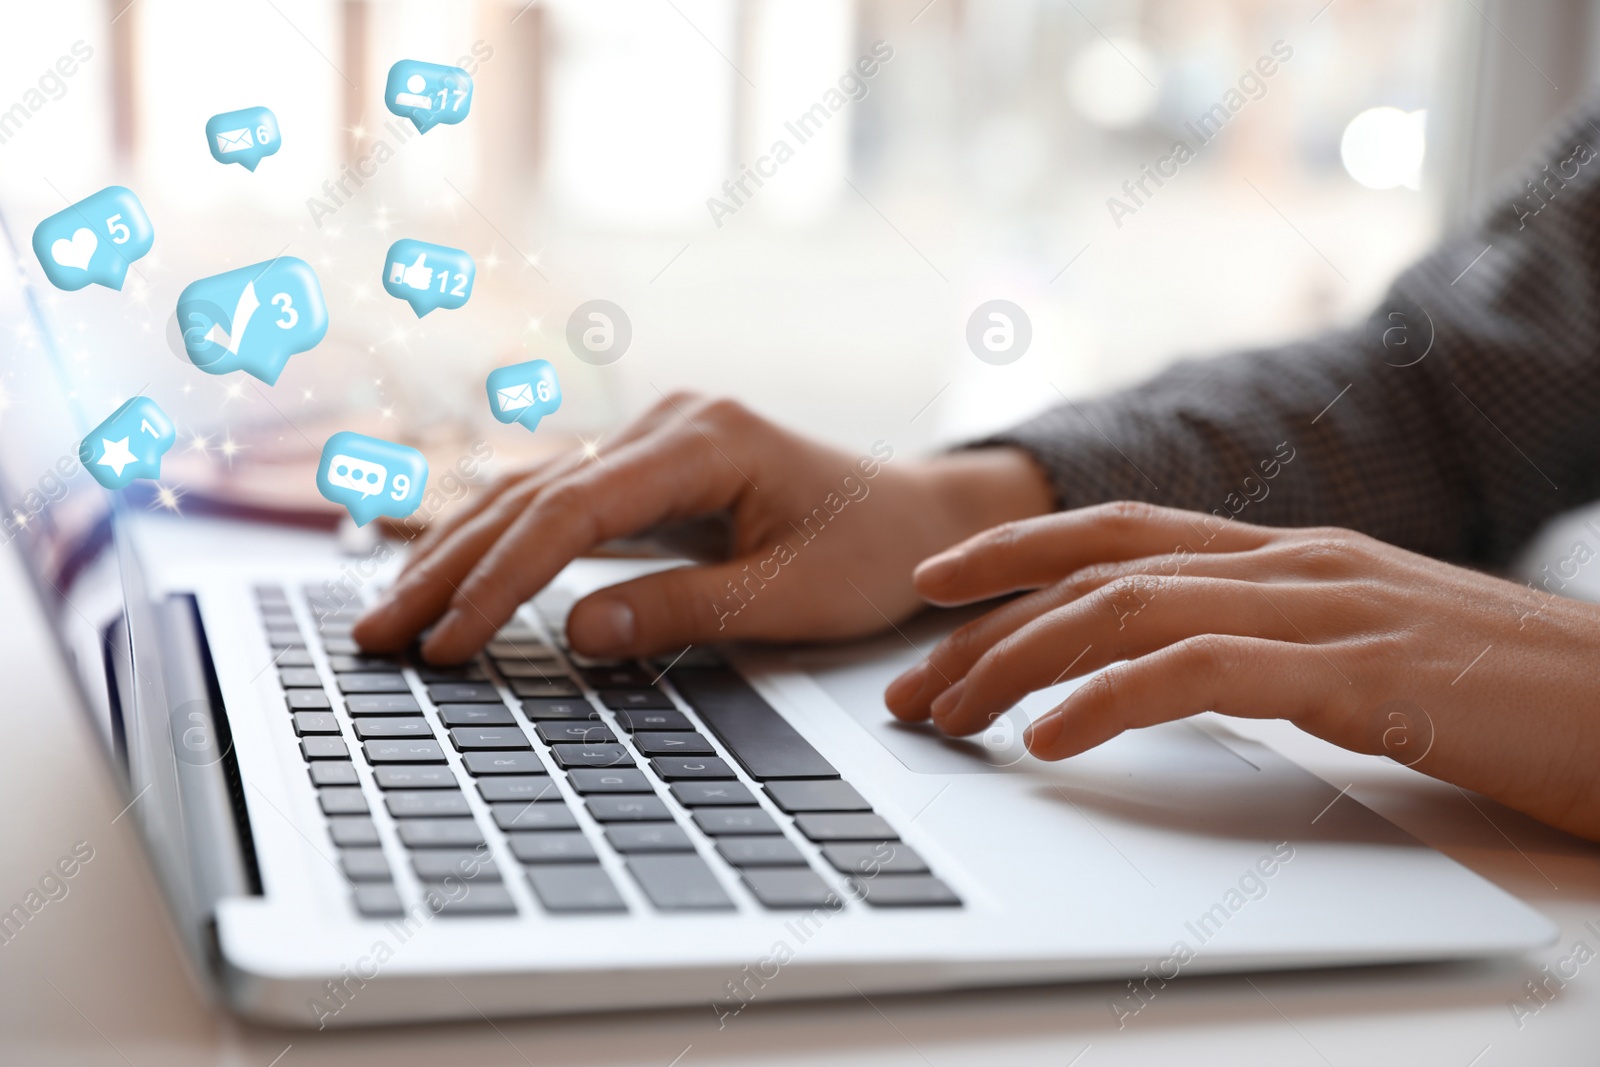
x=76, y=252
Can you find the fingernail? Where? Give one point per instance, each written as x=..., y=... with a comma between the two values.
x=602, y=628
x=947, y=701
x=441, y=632
x=904, y=689
x=1044, y=733
x=938, y=568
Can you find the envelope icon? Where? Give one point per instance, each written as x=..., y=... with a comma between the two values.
x=235, y=140
x=515, y=398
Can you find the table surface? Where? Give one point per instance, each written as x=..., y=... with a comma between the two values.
x=97, y=976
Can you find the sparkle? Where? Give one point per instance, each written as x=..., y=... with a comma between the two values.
x=358, y=131
x=492, y=260
x=200, y=444
x=230, y=448
x=387, y=413
x=305, y=396
x=167, y=497
x=233, y=391
x=591, y=449
x=533, y=324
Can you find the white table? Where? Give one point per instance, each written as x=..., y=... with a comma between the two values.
x=97, y=976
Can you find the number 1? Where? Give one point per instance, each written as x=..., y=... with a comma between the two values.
x=145, y=427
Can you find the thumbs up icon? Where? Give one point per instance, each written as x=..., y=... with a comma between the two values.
x=418, y=276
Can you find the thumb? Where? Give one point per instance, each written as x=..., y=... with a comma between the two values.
x=664, y=611
x=422, y=258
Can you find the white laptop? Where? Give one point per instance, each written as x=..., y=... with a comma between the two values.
x=348, y=840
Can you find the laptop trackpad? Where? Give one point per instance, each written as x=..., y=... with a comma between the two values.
x=855, y=676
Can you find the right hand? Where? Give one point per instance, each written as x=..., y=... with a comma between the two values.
x=845, y=572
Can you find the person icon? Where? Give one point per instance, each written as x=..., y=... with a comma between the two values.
x=414, y=95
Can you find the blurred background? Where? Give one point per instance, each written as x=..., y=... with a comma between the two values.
x=976, y=163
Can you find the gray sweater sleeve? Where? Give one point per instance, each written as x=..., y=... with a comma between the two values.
x=1462, y=414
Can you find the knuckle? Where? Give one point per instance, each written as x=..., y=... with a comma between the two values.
x=1206, y=655
x=723, y=413
x=1124, y=513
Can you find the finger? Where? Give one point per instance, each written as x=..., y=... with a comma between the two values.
x=910, y=696
x=1035, y=552
x=1128, y=618
x=1241, y=676
x=673, y=475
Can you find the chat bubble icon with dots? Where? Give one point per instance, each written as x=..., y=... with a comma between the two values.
x=428, y=93
x=524, y=392
x=94, y=241
x=254, y=318
x=245, y=137
x=369, y=476
x=428, y=276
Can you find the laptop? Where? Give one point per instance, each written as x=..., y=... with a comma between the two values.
x=345, y=839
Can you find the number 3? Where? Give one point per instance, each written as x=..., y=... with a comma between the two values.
x=290, y=316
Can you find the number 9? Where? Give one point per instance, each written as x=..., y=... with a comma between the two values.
x=401, y=486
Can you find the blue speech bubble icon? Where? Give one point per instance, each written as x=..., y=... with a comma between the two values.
x=128, y=445
x=428, y=276
x=369, y=476
x=254, y=318
x=524, y=392
x=95, y=240
x=428, y=93
x=245, y=137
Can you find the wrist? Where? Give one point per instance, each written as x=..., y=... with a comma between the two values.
x=979, y=488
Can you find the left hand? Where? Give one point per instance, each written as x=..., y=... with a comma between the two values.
x=1470, y=678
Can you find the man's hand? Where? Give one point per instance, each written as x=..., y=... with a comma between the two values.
x=821, y=543
x=1469, y=678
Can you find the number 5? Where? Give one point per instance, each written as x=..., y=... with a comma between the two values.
x=114, y=226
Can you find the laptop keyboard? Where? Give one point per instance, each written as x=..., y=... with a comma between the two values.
x=584, y=761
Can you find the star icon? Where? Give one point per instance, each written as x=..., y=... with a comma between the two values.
x=115, y=454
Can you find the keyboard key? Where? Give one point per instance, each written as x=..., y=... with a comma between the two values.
x=403, y=751
x=678, y=881
x=542, y=670
x=334, y=773
x=377, y=901
x=879, y=857
x=665, y=744
x=632, y=721
x=622, y=780
x=674, y=768
x=435, y=865
x=373, y=683
x=502, y=763
x=439, y=833
x=760, y=739
x=719, y=821
x=469, y=738
x=467, y=672
x=825, y=795
x=365, y=865
x=397, y=726
x=324, y=748
x=632, y=699
x=526, y=788
x=545, y=690
x=760, y=852
x=628, y=807
x=580, y=731
x=294, y=657
x=426, y=803
x=382, y=704
x=463, y=693
x=553, y=847
x=845, y=826
x=905, y=891
x=315, y=722
x=348, y=830
x=569, y=887
x=340, y=646
x=618, y=676
x=789, y=887
x=592, y=756
x=546, y=710
x=648, y=837
x=476, y=715
x=711, y=794
x=358, y=664
x=299, y=677
x=414, y=777
x=471, y=898
x=342, y=800
x=545, y=816
x=307, y=700
x=280, y=639
x=515, y=650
